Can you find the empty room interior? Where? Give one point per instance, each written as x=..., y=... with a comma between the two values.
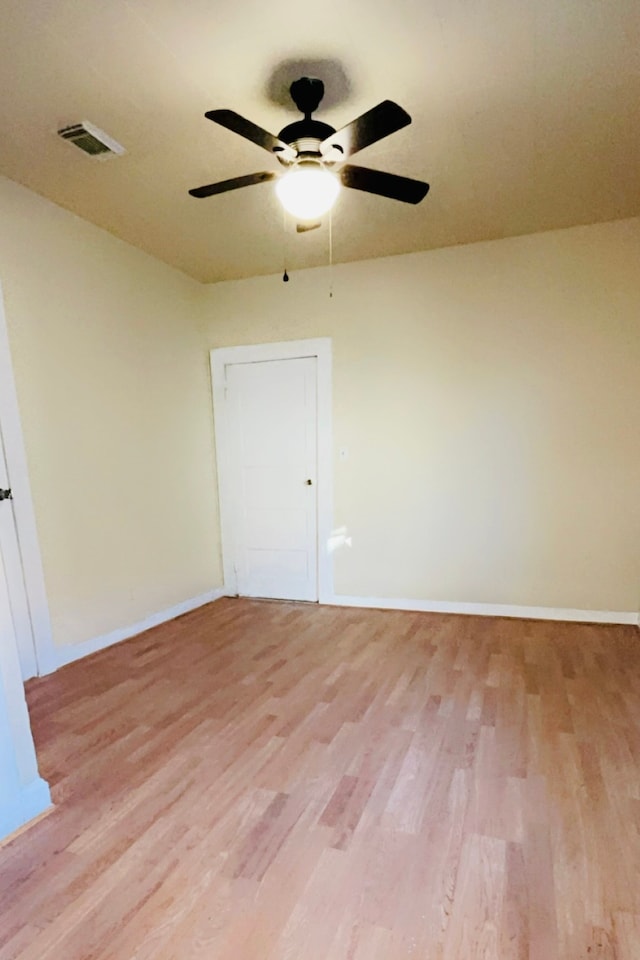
x=320, y=480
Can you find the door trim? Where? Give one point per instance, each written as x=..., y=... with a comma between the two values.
x=23, y=507
x=320, y=348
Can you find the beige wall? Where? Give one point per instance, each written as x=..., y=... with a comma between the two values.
x=114, y=394
x=489, y=397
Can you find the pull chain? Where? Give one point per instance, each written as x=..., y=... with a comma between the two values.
x=285, y=275
x=330, y=254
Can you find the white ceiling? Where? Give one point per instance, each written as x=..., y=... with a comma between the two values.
x=525, y=117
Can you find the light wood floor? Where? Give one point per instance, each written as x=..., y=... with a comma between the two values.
x=268, y=781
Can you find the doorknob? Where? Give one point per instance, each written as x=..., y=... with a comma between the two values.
x=309, y=482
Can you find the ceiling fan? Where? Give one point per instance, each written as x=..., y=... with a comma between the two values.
x=315, y=154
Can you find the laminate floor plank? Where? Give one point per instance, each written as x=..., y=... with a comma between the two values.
x=270, y=781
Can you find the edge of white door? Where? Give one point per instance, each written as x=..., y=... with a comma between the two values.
x=22, y=506
x=320, y=348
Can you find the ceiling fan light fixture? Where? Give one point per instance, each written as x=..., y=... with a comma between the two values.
x=308, y=190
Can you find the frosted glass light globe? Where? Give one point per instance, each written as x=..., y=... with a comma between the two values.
x=308, y=191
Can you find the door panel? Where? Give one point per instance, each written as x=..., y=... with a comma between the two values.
x=12, y=564
x=271, y=408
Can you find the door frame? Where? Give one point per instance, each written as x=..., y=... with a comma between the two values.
x=320, y=349
x=24, y=514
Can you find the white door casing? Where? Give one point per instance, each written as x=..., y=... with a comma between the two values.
x=272, y=410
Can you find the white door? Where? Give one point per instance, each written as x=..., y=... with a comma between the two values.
x=12, y=564
x=271, y=423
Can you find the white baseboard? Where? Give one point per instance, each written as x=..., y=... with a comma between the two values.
x=32, y=800
x=36, y=798
x=47, y=660
x=489, y=610
x=65, y=655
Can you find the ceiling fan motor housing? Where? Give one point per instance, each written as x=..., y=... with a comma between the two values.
x=306, y=93
x=305, y=136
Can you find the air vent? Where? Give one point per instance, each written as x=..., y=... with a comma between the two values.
x=90, y=139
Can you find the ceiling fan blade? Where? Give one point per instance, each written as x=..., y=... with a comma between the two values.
x=373, y=125
x=251, y=131
x=305, y=227
x=234, y=184
x=384, y=184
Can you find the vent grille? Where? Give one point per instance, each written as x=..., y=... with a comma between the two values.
x=91, y=140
